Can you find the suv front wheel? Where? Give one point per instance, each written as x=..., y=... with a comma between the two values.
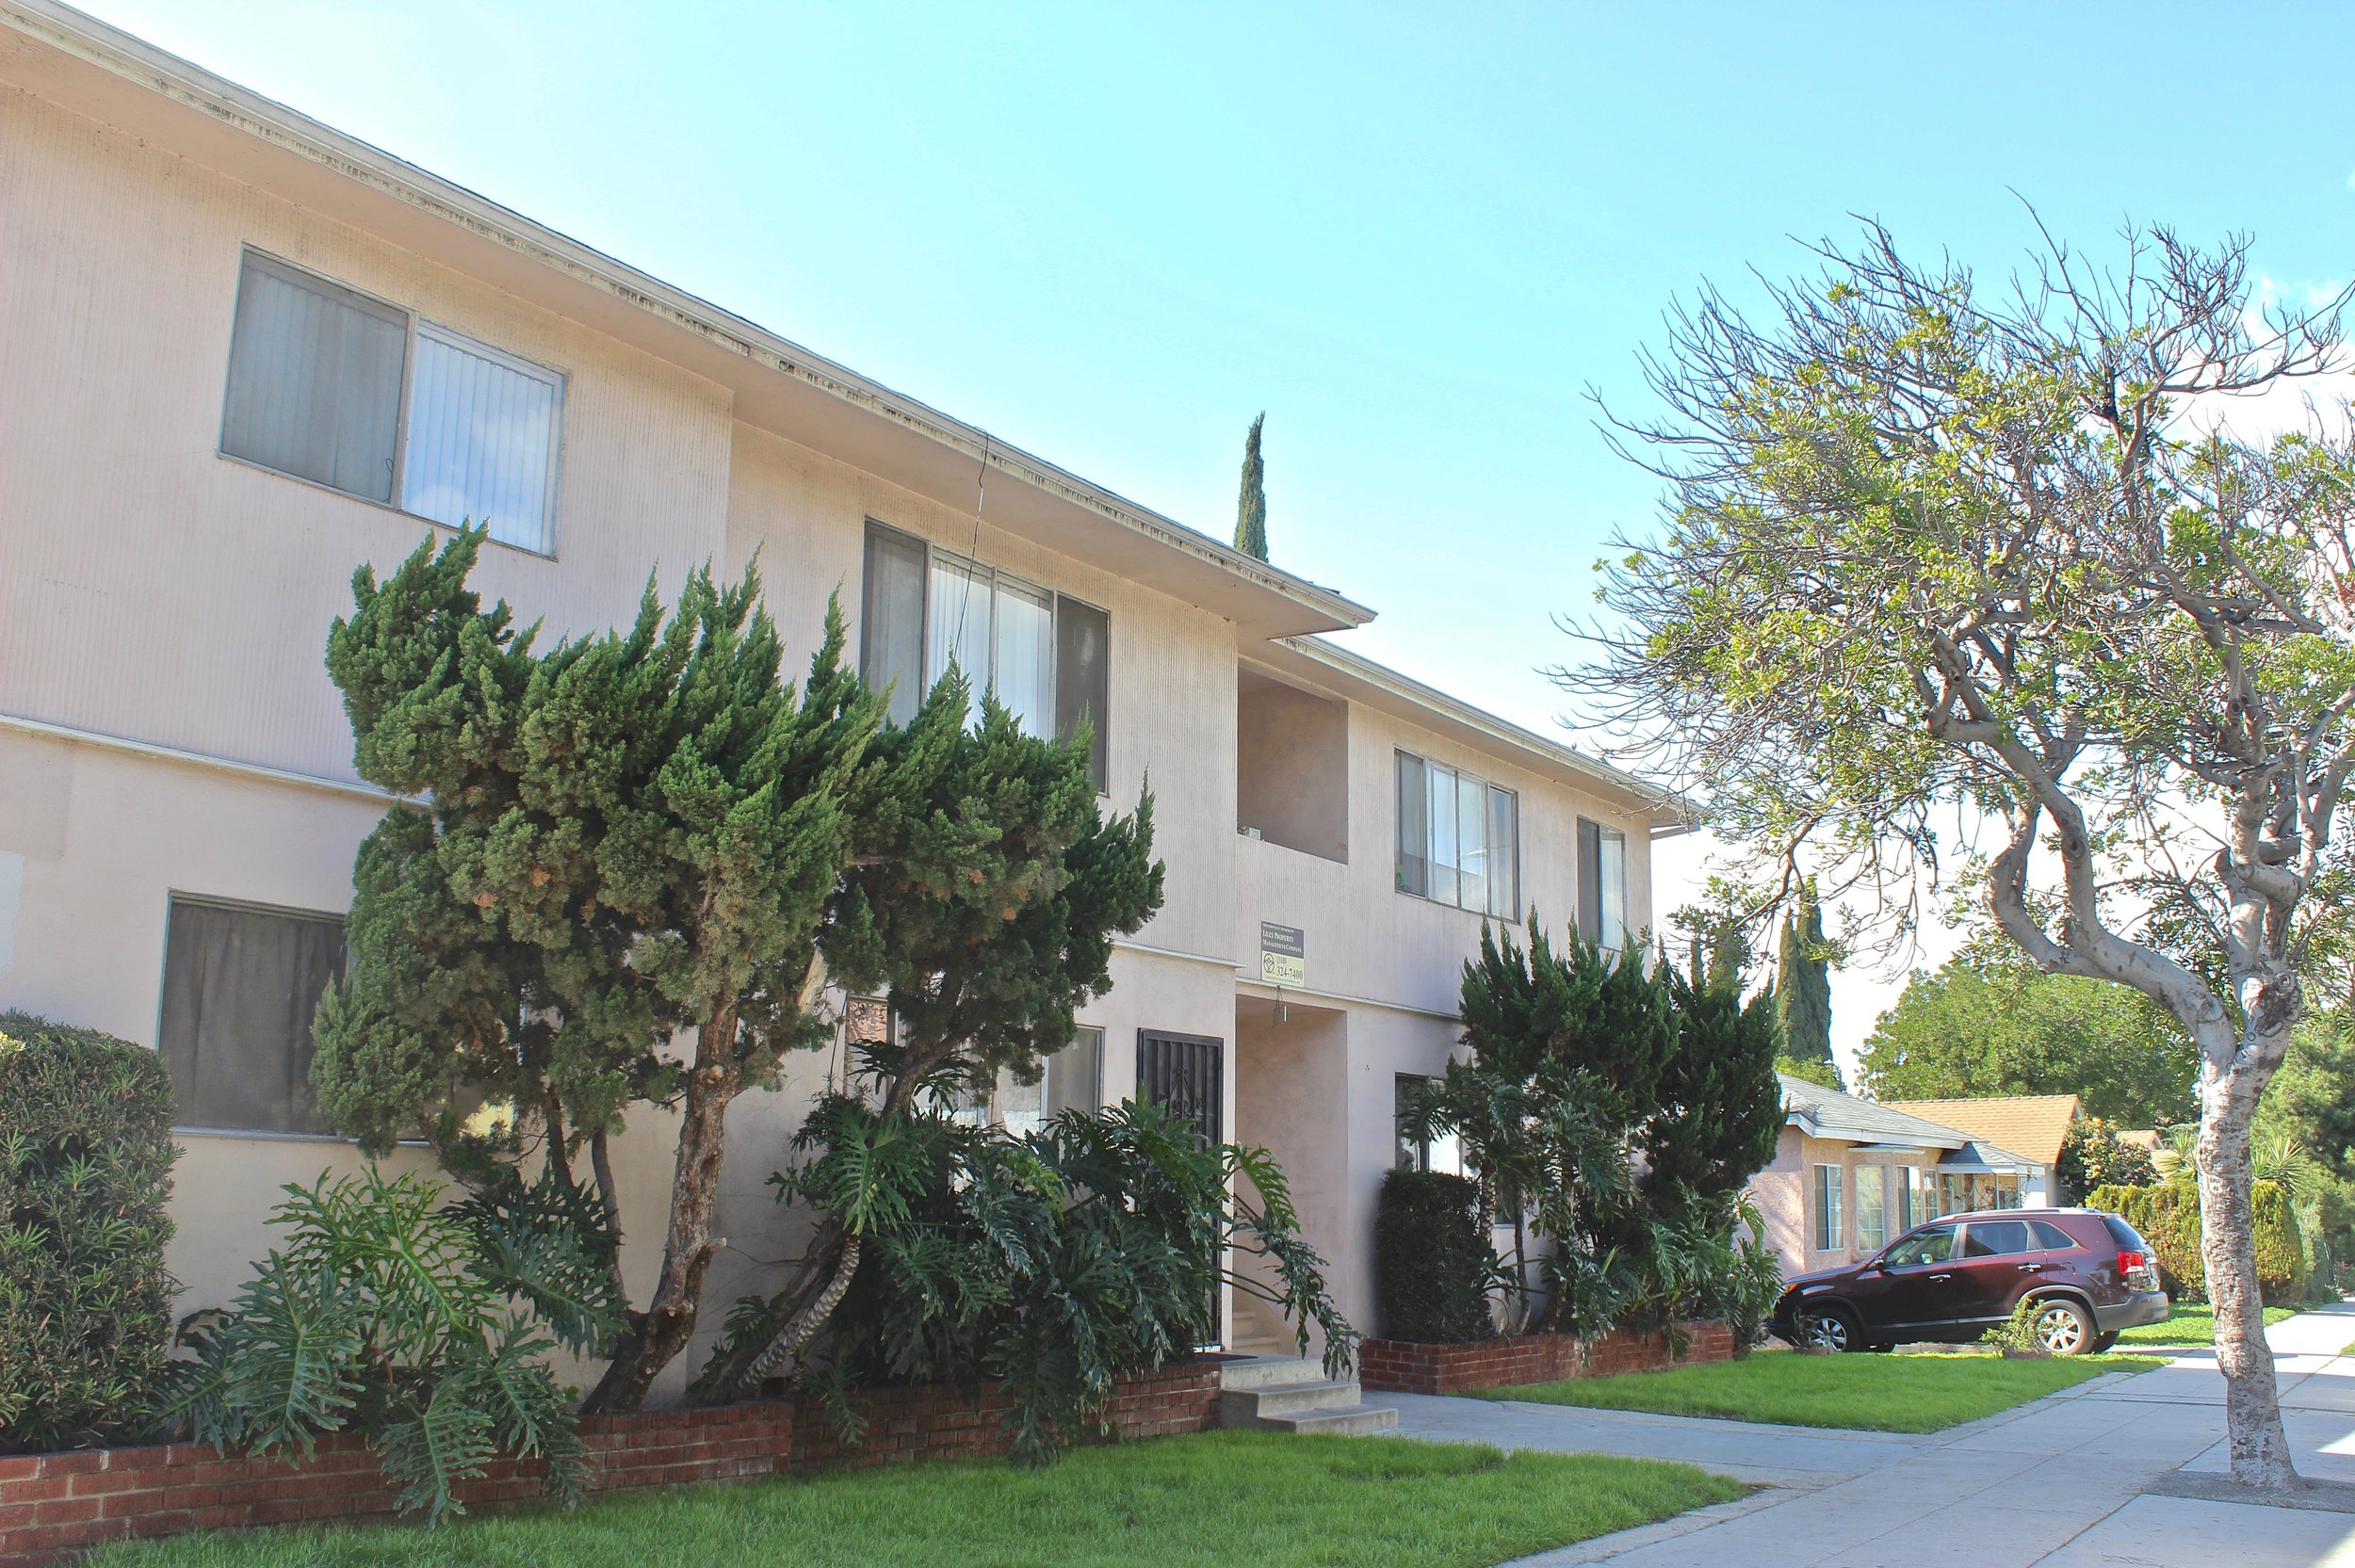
x=1832, y=1328
x=2062, y=1327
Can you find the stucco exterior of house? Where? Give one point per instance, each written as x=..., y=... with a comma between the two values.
x=1850, y=1175
x=182, y=512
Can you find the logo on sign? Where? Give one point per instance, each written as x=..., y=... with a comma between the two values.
x=1283, y=954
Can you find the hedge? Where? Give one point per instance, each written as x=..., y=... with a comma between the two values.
x=86, y=1156
x=1432, y=1259
x=2167, y=1215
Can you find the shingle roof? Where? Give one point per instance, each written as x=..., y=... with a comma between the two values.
x=1828, y=1114
x=2030, y=1124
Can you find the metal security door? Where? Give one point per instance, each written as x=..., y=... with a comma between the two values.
x=1185, y=1074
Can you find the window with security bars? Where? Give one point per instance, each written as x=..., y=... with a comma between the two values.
x=1185, y=1074
x=1458, y=838
x=350, y=391
x=1044, y=654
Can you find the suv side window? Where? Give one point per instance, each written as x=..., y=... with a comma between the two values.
x=2051, y=1237
x=1929, y=1247
x=1996, y=1238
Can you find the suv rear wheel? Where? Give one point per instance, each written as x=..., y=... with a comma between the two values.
x=2062, y=1327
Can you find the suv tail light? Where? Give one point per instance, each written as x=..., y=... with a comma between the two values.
x=2136, y=1269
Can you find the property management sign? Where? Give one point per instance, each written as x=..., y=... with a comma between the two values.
x=1283, y=955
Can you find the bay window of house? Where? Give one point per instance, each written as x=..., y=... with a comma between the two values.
x=1601, y=885
x=344, y=389
x=1046, y=656
x=1872, y=1208
x=1458, y=838
x=1830, y=1195
x=240, y=985
x=1069, y=1079
x=1410, y=1153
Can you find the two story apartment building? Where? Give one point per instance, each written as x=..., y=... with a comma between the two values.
x=241, y=353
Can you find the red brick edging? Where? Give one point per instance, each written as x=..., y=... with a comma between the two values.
x=1402, y=1367
x=52, y=1505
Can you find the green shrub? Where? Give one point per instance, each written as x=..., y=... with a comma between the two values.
x=425, y=1328
x=2167, y=1215
x=86, y=1156
x=1432, y=1258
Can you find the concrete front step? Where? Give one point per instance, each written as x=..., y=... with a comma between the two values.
x=1335, y=1420
x=1292, y=1394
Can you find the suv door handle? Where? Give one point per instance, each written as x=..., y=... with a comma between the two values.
x=1939, y=1277
x=2032, y=1268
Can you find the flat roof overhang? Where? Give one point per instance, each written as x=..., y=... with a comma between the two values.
x=81, y=64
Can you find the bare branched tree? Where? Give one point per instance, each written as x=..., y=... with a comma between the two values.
x=1935, y=552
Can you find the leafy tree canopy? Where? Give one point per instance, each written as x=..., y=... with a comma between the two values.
x=1988, y=1022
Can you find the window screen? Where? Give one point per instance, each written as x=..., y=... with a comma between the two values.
x=1083, y=679
x=1022, y=654
x=481, y=443
x=240, y=985
x=314, y=379
x=891, y=618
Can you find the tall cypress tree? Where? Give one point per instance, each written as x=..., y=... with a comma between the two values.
x=1803, y=980
x=1251, y=505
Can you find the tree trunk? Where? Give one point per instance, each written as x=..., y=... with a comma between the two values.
x=658, y=1335
x=2228, y=1246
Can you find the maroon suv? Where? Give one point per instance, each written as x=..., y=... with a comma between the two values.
x=1955, y=1278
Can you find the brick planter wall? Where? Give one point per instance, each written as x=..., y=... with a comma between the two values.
x=52, y=1505
x=936, y=1423
x=1400, y=1367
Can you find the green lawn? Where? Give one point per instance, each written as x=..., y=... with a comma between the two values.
x=1880, y=1393
x=2192, y=1323
x=1219, y=1497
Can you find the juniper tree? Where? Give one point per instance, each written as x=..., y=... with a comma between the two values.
x=1936, y=551
x=1803, y=980
x=1720, y=1108
x=608, y=897
x=1251, y=504
x=981, y=900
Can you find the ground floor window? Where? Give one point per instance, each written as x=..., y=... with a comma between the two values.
x=241, y=984
x=1872, y=1208
x=1915, y=1200
x=1831, y=1193
x=1444, y=1155
x=1071, y=1080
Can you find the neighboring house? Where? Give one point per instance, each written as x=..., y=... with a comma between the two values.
x=1850, y=1175
x=245, y=353
x=2031, y=1124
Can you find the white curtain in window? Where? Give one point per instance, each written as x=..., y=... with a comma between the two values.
x=1471, y=841
x=1024, y=650
x=481, y=440
x=1872, y=1208
x=1441, y=794
x=1504, y=857
x=1613, y=868
x=957, y=627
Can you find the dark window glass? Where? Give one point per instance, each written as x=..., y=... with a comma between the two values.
x=1414, y=826
x=240, y=985
x=1996, y=1238
x=891, y=618
x=315, y=376
x=1408, y=1153
x=1590, y=880
x=1083, y=679
x=2051, y=1237
x=2127, y=1238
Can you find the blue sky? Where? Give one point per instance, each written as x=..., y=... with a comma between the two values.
x=1415, y=235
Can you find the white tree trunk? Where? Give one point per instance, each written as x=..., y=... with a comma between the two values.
x=2228, y=1246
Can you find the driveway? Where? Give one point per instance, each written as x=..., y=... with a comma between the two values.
x=2081, y=1478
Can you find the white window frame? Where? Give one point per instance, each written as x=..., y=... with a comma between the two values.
x=1831, y=1200
x=1872, y=1215
x=1488, y=788
x=417, y=326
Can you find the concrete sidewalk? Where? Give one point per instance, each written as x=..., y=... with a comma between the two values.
x=2062, y=1482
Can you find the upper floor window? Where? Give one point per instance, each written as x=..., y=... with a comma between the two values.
x=337, y=387
x=1458, y=838
x=1602, y=885
x=1045, y=654
x=240, y=985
